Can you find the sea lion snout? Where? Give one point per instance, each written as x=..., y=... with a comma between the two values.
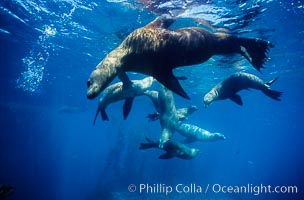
x=93, y=86
x=92, y=90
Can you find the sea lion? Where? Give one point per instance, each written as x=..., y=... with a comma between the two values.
x=194, y=133
x=182, y=113
x=155, y=50
x=228, y=88
x=167, y=114
x=119, y=91
x=170, y=122
x=172, y=148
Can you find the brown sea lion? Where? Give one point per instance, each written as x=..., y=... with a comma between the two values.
x=155, y=50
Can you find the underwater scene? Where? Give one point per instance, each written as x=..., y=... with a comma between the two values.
x=151, y=99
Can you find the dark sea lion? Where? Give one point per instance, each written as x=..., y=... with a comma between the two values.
x=172, y=148
x=119, y=91
x=155, y=50
x=228, y=88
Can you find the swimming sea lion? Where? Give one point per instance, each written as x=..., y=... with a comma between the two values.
x=155, y=50
x=167, y=114
x=119, y=91
x=194, y=133
x=172, y=148
x=182, y=113
x=170, y=122
x=228, y=88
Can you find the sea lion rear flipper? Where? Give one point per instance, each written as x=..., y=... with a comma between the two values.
x=165, y=156
x=170, y=82
x=255, y=51
x=148, y=145
x=236, y=99
x=271, y=81
x=98, y=110
x=163, y=21
x=273, y=94
x=153, y=117
x=127, y=106
x=104, y=115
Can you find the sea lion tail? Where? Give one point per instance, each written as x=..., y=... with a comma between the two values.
x=255, y=51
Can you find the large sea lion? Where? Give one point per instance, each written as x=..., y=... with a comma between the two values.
x=172, y=148
x=155, y=50
x=119, y=91
x=228, y=88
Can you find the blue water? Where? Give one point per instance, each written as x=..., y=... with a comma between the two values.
x=49, y=148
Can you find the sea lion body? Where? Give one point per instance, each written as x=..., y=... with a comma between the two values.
x=228, y=88
x=194, y=133
x=167, y=114
x=119, y=91
x=155, y=50
x=182, y=113
x=173, y=149
x=170, y=122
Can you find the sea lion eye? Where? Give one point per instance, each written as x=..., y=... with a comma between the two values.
x=88, y=83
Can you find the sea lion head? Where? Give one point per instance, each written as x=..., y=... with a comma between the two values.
x=98, y=81
x=219, y=136
x=208, y=99
x=192, y=109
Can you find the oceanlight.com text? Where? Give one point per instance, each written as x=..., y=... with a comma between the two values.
x=254, y=189
x=194, y=188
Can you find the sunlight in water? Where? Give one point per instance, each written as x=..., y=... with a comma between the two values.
x=35, y=61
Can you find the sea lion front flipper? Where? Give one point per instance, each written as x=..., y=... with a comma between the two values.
x=125, y=79
x=167, y=78
x=165, y=156
x=104, y=115
x=163, y=21
x=127, y=106
x=236, y=99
